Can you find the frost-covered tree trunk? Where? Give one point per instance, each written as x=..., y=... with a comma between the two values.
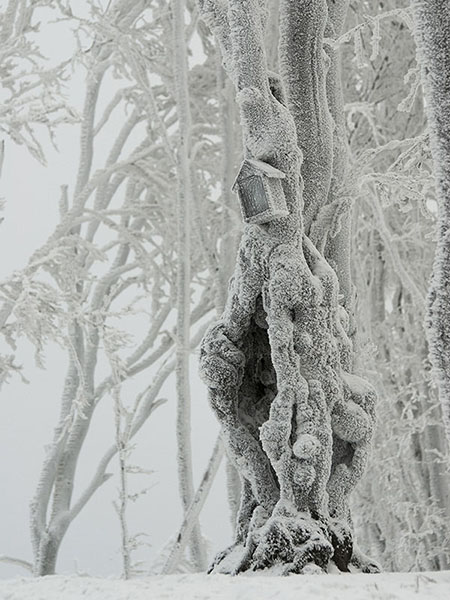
x=432, y=20
x=279, y=364
x=184, y=208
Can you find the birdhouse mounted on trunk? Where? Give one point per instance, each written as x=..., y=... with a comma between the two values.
x=260, y=192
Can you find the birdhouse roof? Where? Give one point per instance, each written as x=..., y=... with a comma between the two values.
x=252, y=167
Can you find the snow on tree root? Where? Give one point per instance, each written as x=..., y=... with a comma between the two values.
x=288, y=542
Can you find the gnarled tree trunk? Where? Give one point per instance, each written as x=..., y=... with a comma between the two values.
x=279, y=364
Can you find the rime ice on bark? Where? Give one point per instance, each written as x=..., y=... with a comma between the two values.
x=432, y=20
x=296, y=421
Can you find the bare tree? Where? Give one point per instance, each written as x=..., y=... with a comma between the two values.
x=112, y=258
x=280, y=362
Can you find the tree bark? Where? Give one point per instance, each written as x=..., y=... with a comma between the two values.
x=183, y=301
x=296, y=420
x=432, y=27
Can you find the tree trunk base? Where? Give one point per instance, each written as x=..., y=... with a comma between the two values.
x=289, y=542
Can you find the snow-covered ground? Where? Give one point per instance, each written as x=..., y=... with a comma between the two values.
x=387, y=586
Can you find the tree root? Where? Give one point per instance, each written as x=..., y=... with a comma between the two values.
x=293, y=543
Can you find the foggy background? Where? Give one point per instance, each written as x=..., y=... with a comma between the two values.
x=28, y=413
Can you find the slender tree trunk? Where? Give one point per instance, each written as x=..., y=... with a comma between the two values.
x=192, y=514
x=432, y=20
x=184, y=206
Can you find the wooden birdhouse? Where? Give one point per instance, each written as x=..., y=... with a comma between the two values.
x=260, y=192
